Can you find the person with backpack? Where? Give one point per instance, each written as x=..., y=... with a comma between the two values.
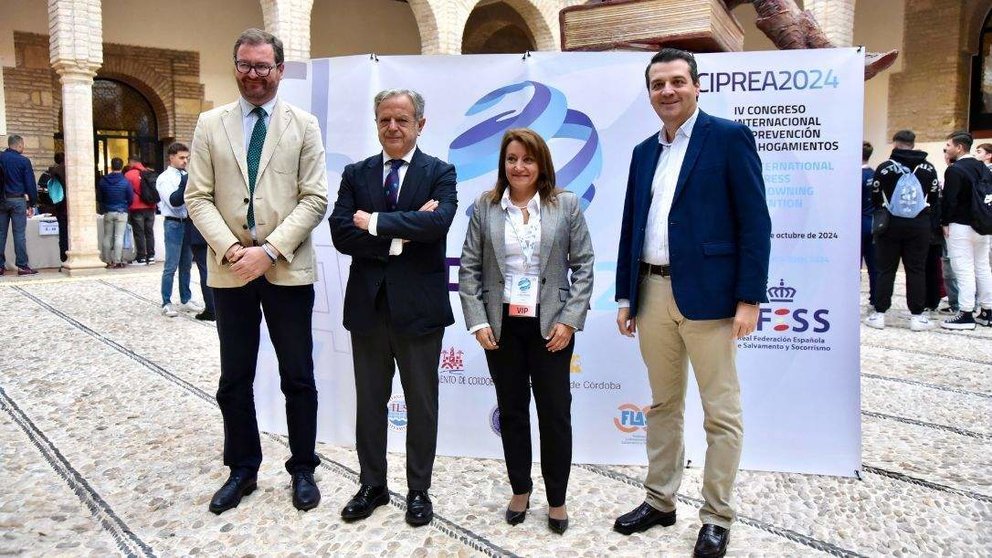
x=57, y=185
x=967, y=220
x=141, y=213
x=906, y=186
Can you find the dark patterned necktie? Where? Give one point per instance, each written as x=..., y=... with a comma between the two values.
x=392, y=184
x=254, y=157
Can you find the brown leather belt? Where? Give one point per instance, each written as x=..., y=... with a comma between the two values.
x=663, y=270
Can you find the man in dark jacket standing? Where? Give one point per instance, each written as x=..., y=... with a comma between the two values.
x=19, y=195
x=867, y=208
x=907, y=237
x=968, y=250
x=115, y=195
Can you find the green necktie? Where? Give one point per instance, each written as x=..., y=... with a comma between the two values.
x=254, y=156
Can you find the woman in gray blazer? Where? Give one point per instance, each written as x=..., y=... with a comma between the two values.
x=520, y=303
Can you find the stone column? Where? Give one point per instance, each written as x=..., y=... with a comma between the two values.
x=290, y=21
x=836, y=18
x=76, y=53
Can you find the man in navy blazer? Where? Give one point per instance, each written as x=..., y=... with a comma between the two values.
x=692, y=269
x=392, y=217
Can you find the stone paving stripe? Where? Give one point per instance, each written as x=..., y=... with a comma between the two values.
x=925, y=483
x=926, y=353
x=137, y=296
x=915, y=422
x=129, y=543
x=442, y=524
x=805, y=540
x=940, y=387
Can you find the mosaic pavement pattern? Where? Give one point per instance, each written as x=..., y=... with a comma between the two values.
x=110, y=444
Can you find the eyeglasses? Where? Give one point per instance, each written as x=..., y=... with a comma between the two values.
x=261, y=70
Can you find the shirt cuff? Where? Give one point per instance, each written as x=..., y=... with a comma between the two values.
x=475, y=328
x=396, y=246
x=373, y=223
x=623, y=303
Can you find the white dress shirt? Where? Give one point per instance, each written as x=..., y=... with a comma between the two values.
x=514, y=232
x=519, y=239
x=166, y=184
x=666, y=176
x=396, y=246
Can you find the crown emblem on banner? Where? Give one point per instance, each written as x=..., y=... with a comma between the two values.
x=781, y=293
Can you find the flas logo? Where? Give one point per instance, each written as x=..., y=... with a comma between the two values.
x=452, y=360
x=396, y=413
x=631, y=418
x=787, y=318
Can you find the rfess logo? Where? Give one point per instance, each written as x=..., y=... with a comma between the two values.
x=788, y=318
x=631, y=418
x=396, y=413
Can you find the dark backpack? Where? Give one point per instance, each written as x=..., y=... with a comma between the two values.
x=148, y=192
x=981, y=202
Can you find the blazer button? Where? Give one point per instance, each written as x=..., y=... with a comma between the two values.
x=544, y=280
x=245, y=227
x=247, y=200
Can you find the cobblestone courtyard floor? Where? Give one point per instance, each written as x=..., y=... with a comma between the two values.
x=110, y=444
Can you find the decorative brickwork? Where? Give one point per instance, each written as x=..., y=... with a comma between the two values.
x=930, y=95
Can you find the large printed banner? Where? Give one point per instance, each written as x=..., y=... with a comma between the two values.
x=799, y=371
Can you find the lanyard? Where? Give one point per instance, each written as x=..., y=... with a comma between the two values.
x=526, y=241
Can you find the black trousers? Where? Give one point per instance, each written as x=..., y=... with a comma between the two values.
x=934, y=276
x=62, y=216
x=200, y=259
x=909, y=244
x=288, y=315
x=143, y=228
x=521, y=362
x=377, y=353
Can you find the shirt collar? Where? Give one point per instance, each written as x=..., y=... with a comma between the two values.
x=533, y=206
x=247, y=107
x=406, y=158
x=966, y=156
x=684, y=130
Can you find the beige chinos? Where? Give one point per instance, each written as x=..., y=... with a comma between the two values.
x=668, y=342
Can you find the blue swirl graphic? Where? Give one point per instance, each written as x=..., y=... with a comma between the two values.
x=475, y=152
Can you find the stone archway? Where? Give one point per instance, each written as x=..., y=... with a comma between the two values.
x=152, y=86
x=442, y=22
x=424, y=12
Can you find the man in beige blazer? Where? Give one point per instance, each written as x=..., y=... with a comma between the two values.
x=257, y=188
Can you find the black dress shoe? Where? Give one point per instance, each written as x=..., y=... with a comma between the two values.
x=206, y=316
x=557, y=525
x=229, y=496
x=711, y=542
x=306, y=495
x=419, y=510
x=365, y=502
x=642, y=518
x=515, y=517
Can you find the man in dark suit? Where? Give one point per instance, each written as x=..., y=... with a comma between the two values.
x=692, y=269
x=392, y=217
